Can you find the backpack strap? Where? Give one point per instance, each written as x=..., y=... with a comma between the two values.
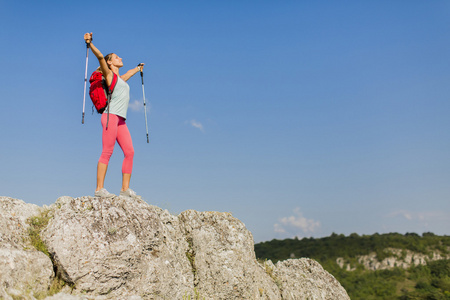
x=113, y=83
x=111, y=90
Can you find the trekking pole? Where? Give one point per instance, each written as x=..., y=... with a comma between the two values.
x=143, y=93
x=85, y=81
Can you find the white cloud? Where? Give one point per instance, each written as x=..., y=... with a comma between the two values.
x=197, y=125
x=435, y=221
x=402, y=213
x=138, y=105
x=278, y=228
x=422, y=216
x=296, y=223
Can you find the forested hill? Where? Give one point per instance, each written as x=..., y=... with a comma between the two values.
x=351, y=246
x=379, y=266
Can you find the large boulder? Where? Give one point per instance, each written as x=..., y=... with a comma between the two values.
x=223, y=257
x=305, y=278
x=24, y=271
x=118, y=247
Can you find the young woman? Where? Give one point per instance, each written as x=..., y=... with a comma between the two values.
x=117, y=129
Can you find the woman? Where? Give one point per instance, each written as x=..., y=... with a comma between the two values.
x=117, y=129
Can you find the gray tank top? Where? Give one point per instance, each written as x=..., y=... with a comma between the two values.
x=120, y=99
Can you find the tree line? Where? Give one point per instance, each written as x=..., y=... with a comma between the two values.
x=430, y=281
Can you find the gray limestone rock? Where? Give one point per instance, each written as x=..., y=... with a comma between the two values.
x=401, y=258
x=24, y=271
x=13, y=221
x=121, y=248
x=223, y=257
x=64, y=296
x=305, y=279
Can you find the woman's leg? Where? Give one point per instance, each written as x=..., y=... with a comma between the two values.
x=125, y=181
x=126, y=143
x=101, y=174
x=109, y=137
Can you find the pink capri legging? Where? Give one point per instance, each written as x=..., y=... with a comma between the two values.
x=117, y=130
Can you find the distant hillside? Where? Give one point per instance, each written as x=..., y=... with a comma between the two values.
x=379, y=266
x=336, y=246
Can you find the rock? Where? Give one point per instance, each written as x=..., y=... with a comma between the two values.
x=120, y=248
x=23, y=269
x=223, y=258
x=13, y=221
x=401, y=258
x=64, y=296
x=306, y=279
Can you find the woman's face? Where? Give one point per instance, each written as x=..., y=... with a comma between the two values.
x=116, y=60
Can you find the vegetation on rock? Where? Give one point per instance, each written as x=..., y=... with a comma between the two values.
x=37, y=224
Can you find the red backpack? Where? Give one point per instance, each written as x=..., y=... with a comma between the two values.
x=99, y=92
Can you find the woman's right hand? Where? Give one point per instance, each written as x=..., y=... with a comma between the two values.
x=88, y=38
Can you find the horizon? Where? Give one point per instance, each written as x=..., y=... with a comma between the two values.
x=424, y=234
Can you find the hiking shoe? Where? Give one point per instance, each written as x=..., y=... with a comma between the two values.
x=103, y=193
x=130, y=194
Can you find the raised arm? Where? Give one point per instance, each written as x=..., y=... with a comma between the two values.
x=107, y=73
x=132, y=72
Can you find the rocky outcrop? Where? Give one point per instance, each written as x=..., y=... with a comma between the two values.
x=127, y=249
x=306, y=277
x=223, y=258
x=24, y=271
x=401, y=258
x=118, y=247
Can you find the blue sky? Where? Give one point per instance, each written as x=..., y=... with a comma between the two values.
x=301, y=118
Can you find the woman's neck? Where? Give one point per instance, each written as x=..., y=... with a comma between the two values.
x=115, y=70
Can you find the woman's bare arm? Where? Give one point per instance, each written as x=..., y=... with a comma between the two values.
x=132, y=72
x=107, y=73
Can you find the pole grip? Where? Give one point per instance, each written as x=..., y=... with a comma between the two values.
x=142, y=72
x=142, y=75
